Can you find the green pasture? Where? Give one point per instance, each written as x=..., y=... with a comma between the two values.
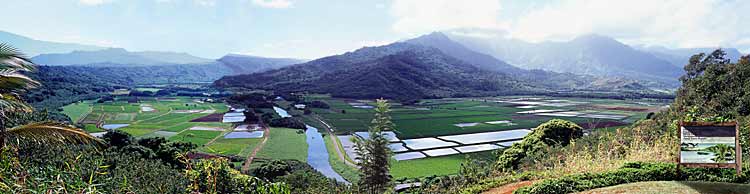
x=284, y=143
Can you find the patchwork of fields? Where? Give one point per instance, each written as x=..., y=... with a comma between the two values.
x=166, y=117
x=438, y=133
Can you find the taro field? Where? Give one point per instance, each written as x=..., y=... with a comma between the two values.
x=163, y=117
x=440, y=132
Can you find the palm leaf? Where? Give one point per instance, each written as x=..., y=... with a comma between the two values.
x=14, y=81
x=49, y=133
x=11, y=103
x=12, y=58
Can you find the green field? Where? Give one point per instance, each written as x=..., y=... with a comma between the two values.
x=443, y=165
x=196, y=136
x=169, y=115
x=77, y=110
x=437, y=117
x=284, y=143
x=241, y=146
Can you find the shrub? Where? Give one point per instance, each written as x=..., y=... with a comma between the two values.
x=288, y=122
x=553, y=132
x=216, y=176
x=629, y=173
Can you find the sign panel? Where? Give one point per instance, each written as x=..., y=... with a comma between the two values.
x=710, y=144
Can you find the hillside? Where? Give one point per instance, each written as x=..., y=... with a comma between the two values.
x=537, y=77
x=32, y=47
x=398, y=70
x=117, y=56
x=422, y=76
x=244, y=64
x=586, y=55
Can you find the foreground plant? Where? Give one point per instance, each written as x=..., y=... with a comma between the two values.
x=12, y=83
x=374, y=154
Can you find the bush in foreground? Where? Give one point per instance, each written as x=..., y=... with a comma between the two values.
x=553, y=132
x=630, y=173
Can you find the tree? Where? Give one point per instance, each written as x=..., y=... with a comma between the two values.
x=374, y=154
x=12, y=83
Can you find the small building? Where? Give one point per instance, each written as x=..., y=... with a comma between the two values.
x=300, y=106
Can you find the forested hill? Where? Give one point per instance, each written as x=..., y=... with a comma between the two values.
x=64, y=85
x=425, y=67
x=399, y=71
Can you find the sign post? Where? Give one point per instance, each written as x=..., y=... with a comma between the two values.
x=710, y=145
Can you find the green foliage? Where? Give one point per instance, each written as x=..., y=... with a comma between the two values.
x=374, y=154
x=629, y=173
x=148, y=148
x=300, y=176
x=552, y=133
x=714, y=87
x=213, y=176
x=75, y=169
x=288, y=122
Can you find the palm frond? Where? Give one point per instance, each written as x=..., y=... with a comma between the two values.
x=49, y=133
x=12, y=103
x=10, y=81
x=12, y=58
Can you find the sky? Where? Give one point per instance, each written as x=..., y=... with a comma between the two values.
x=310, y=29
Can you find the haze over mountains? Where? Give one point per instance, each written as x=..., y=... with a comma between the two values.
x=588, y=55
x=117, y=56
x=32, y=47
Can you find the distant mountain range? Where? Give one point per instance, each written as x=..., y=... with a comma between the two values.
x=244, y=64
x=33, y=47
x=137, y=74
x=681, y=57
x=117, y=56
x=586, y=55
x=398, y=71
x=429, y=66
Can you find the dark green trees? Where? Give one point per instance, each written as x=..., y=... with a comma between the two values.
x=552, y=133
x=374, y=154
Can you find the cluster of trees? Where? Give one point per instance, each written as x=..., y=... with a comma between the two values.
x=251, y=100
x=287, y=122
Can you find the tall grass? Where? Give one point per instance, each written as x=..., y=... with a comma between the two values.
x=603, y=151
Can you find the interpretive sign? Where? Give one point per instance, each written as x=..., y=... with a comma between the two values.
x=710, y=144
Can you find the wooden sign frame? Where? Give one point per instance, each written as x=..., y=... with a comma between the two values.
x=738, y=150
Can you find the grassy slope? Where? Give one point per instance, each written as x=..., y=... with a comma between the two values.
x=686, y=187
x=76, y=110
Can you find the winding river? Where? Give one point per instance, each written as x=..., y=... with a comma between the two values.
x=317, y=153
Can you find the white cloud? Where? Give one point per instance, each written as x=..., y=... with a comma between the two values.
x=674, y=23
x=93, y=2
x=273, y=3
x=209, y=3
x=423, y=16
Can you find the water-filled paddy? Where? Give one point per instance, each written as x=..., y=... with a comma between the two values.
x=427, y=143
x=477, y=148
x=441, y=152
x=488, y=136
x=244, y=134
x=114, y=126
x=408, y=156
